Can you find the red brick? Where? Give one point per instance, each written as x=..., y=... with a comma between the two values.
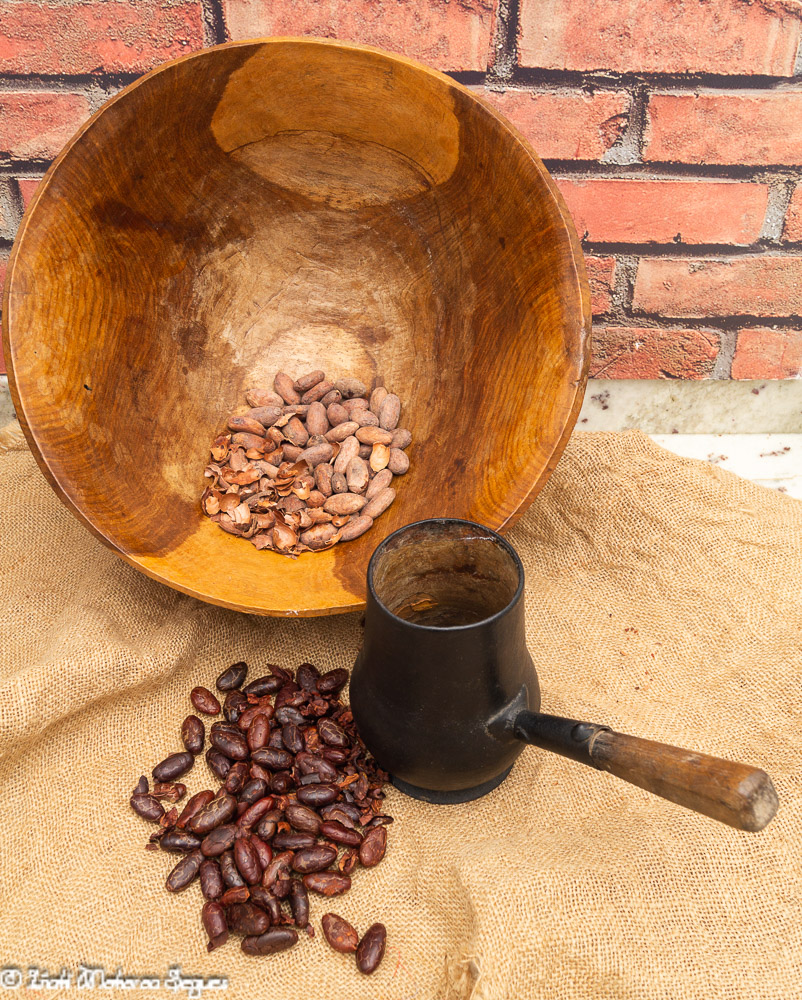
x=793, y=219
x=601, y=271
x=765, y=353
x=660, y=36
x=564, y=126
x=34, y=126
x=742, y=286
x=642, y=352
x=645, y=211
x=94, y=35
x=27, y=186
x=751, y=129
x=453, y=35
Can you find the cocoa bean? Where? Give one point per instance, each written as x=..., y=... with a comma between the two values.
x=247, y=425
x=147, y=807
x=306, y=382
x=350, y=387
x=193, y=734
x=283, y=385
x=333, y=680
x=327, y=883
x=357, y=475
x=379, y=457
x=258, y=732
x=336, y=414
x=232, y=677
x=179, y=841
x=379, y=504
x=214, y=923
x=340, y=834
x=234, y=705
x=333, y=396
x=229, y=871
x=365, y=418
x=266, y=415
x=290, y=841
x=402, y=438
x=317, y=392
x=338, y=484
x=373, y=846
x=273, y=760
x=332, y=734
x=274, y=940
x=204, y=701
x=317, y=454
x=215, y=813
x=218, y=841
x=219, y=764
x=344, y=503
x=348, y=448
x=317, y=422
x=184, y=872
x=342, y=431
x=390, y=412
x=250, y=442
x=380, y=481
x=339, y=933
x=398, y=462
x=370, y=950
x=263, y=397
x=246, y=918
x=211, y=880
x=193, y=806
x=323, y=474
x=173, y=766
x=296, y=433
x=234, y=747
x=318, y=536
x=302, y=817
x=247, y=861
x=236, y=777
x=317, y=795
x=377, y=397
x=373, y=436
x=352, y=405
x=313, y=859
x=299, y=903
x=263, y=686
x=236, y=894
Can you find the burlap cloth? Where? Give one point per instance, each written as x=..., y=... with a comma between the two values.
x=663, y=597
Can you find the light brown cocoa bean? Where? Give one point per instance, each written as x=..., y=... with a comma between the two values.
x=249, y=441
x=296, y=432
x=373, y=435
x=335, y=396
x=297, y=409
x=338, y=520
x=247, y=424
x=323, y=474
x=399, y=462
x=354, y=404
x=291, y=452
x=380, y=457
x=266, y=415
x=315, y=498
x=316, y=420
x=318, y=535
x=377, y=398
x=357, y=475
x=316, y=454
x=379, y=504
x=341, y=431
x=390, y=412
x=338, y=483
x=306, y=382
x=317, y=392
x=344, y=503
x=318, y=516
x=402, y=438
x=365, y=418
x=336, y=413
x=350, y=387
x=348, y=448
x=356, y=526
x=282, y=383
x=379, y=482
x=263, y=397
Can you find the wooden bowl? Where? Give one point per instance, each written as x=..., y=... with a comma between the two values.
x=291, y=204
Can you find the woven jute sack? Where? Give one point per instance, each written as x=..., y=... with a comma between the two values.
x=663, y=598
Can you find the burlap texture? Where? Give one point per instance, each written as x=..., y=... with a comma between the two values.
x=663, y=598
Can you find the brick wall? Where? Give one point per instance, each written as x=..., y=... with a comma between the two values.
x=673, y=127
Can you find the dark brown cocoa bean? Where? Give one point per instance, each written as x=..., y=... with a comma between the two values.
x=370, y=950
x=327, y=883
x=147, y=807
x=219, y=840
x=247, y=717
x=211, y=880
x=247, y=861
x=257, y=771
x=310, y=764
x=335, y=755
x=193, y=806
x=169, y=791
x=264, y=852
x=234, y=705
x=229, y=870
x=302, y=817
x=282, y=887
x=272, y=941
x=234, y=747
x=274, y=760
x=341, y=812
x=282, y=782
x=266, y=827
x=256, y=811
x=340, y=834
x=236, y=894
x=286, y=840
x=215, y=813
x=214, y=923
x=279, y=867
x=193, y=734
x=290, y=694
x=173, y=766
x=237, y=777
x=276, y=742
x=253, y=790
x=168, y=821
x=339, y=933
x=218, y=763
x=184, y=872
x=313, y=859
x=289, y=716
x=331, y=733
x=204, y=701
x=373, y=846
x=317, y=795
x=258, y=732
x=179, y=841
x=245, y=918
x=232, y=677
x=142, y=786
x=299, y=903
x=307, y=676
x=332, y=681
x=262, y=897
x=263, y=685
x=292, y=739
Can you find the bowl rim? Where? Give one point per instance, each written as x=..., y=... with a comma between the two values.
x=580, y=352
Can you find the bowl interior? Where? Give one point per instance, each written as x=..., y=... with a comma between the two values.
x=291, y=204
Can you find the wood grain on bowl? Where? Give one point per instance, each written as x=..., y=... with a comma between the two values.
x=291, y=205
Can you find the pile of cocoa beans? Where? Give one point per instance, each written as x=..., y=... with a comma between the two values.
x=298, y=810
x=306, y=464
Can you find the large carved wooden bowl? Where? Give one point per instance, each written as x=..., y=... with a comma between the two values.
x=291, y=204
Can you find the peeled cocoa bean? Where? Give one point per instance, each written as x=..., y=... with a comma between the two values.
x=173, y=766
x=258, y=732
x=218, y=841
x=299, y=903
x=327, y=883
x=302, y=817
x=179, y=841
x=217, y=812
x=247, y=918
x=263, y=686
x=333, y=680
x=264, y=852
x=214, y=923
x=379, y=504
x=348, y=448
x=380, y=457
x=370, y=950
x=290, y=841
x=274, y=940
x=402, y=438
x=236, y=894
x=184, y=872
x=313, y=859
x=340, y=834
x=339, y=933
x=211, y=880
x=283, y=385
x=398, y=462
x=236, y=778
x=234, y=705
x=218, y=763
x=254, y=790
x=234, y=747
x=272, y=759
x=204, y=701
x=306, y=382
x=247, y=861
x=193, y=806
x=255, y=812
x=193, y=734
x=229, y=871
x=332, y=734
x=373, y=846
x=317, y=795
x=232, y=677
x=147, y=807
x=373, y=436
x=344, y=503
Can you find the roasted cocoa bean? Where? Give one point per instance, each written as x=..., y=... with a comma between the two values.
x=193, y=806
x=333, y=681
x=373, y=846
x=184, y=872
x=316, y=796
x=232, y=677
x=211, y=881
x=327, y=883
x=219, y=840
x=302, y=817
x=214, y=923
x=286, y=840
x=340, y=834
x=234, y=705
x=173, y=766
x=147, y=807
x=246, y=918
x=370, y=950
x=331, y=733
x=263, y=686
x=193, y=734
x=247, y=861
x=314, y=859
x=215, y=813
x=237, y=777
x=204, y=701
x=253, y=790
x=234, y=746
x=339, y=933
x=142, y=786
x=274, y=760
x=229, y=871
x=274, y=940
x=179, y=841
x=219, y=764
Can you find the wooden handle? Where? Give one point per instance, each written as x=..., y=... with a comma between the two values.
x=736, y=794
